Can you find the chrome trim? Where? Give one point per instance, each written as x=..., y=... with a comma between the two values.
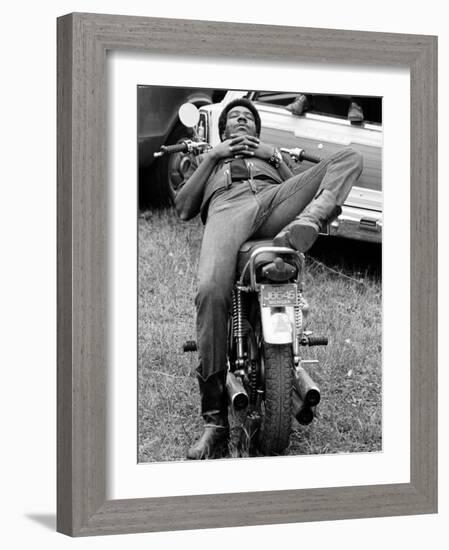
x=298, y=257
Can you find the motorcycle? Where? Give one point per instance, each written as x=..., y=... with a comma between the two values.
x=267, y=376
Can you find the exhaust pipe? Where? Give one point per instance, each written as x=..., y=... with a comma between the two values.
x=306, y=388
x=236, y=392
x=302, y=412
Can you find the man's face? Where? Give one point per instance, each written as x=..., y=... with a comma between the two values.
x=240, y=121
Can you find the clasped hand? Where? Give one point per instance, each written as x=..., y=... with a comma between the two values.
x=242, y=147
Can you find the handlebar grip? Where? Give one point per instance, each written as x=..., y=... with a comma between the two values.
x=311, y=158
x=176, y=148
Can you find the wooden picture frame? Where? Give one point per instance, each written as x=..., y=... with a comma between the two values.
x=83, y=40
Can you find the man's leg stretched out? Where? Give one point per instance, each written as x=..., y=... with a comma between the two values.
x=301, y=206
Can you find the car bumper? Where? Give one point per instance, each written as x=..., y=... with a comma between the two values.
x=358, y=224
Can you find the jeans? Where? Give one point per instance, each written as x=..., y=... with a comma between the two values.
x=253, y=209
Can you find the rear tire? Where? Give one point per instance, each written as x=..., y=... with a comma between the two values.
x=275, y=430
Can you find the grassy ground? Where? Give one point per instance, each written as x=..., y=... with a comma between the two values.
x=343, y=289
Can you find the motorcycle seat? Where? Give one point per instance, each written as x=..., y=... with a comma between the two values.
x=248, y=248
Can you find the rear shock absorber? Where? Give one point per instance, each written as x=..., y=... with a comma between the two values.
x=238, y=315
x=298, y=327
x=253, y=382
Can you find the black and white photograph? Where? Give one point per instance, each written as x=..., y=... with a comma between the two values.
x=223, y=234
x=259, y=273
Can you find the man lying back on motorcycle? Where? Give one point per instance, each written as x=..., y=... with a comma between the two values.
x=244, y=188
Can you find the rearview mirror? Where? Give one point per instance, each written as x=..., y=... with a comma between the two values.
x=189, y=115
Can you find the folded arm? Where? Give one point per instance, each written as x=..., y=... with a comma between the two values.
x=188, y=198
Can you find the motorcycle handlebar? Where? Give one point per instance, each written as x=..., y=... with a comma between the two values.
x=176, y=148
x=185, y=146
x=300, y=155
x=311, y=158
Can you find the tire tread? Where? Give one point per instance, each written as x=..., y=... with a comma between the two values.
x=276, y=425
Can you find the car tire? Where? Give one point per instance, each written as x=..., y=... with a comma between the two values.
x=164, y=176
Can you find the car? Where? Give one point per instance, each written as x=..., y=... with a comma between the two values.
x=157, y=124
x=321, y=131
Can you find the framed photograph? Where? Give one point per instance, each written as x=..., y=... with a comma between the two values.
x=128, y=398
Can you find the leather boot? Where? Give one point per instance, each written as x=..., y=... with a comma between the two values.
x=355, y=112
x=299, y=105
x=303, y=231
x=214, y=409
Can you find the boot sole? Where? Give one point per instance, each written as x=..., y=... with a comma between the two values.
x=222, y=452
x=219, y=450
x=300, y=237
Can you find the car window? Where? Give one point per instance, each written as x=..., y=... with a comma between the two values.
x=324, y=104
x=276, y=98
